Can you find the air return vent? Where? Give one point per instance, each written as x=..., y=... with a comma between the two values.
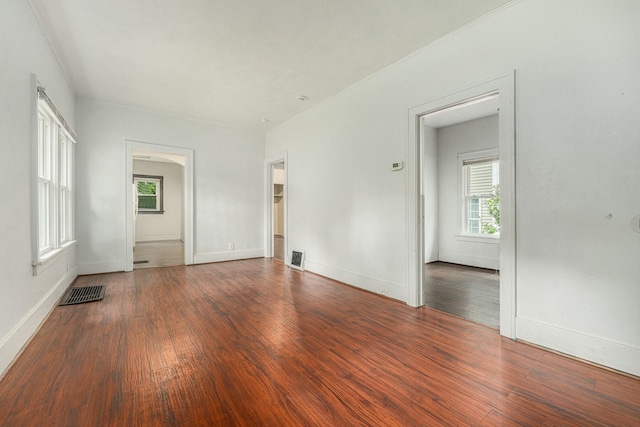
x=85, y=294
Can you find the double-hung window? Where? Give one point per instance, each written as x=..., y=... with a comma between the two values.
x=149, y=193
x=480, y=176
x=54, y=187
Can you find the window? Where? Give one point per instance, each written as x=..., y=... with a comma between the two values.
x=54, y=185
x=149, y=193
x=481, y=193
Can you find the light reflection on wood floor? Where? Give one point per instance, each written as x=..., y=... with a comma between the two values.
x=162, y=253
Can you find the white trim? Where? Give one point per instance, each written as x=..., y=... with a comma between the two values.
x=489, y=239
x=114, y=265
x=605, y=352
x=12, y=344
x=188, y=208
x=472, y=260
x=505, y=86
x=47, y=260
x=382, y=287
x=159, y=238
x=269, y=162
x=228, y=256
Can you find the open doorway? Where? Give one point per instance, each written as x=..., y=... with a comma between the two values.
x=158, y=221
x=276, y=239
x=460, y=114
x=160, y=198
x=278, y=211
x=461, y=182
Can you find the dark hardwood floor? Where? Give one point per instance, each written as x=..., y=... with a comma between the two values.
x=468, y=292
x=252, y=343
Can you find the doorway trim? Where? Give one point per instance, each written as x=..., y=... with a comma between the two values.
x=187, y=188
x=269, y=163
x=505, y=87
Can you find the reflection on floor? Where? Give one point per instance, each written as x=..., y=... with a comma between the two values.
x=278, y=247
x=468, y=292
x=162, y=253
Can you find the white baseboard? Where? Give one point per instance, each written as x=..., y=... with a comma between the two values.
x=377, y=286
x=12, y=344
x=604, y=352
x=159, y=237
x=227, y=256
x=101, y=267
x=473, y=261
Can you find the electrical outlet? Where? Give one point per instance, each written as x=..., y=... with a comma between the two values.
x=230, y=246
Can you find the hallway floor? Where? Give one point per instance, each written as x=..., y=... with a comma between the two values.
x=161, y=253
x=468, y=292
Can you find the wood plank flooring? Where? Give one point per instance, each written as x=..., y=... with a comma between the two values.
x=160, y=253
x=253, y=343
x=468, y=292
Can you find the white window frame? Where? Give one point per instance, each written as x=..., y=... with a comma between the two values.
x=159, y=181
x=463, y=182
x=53, y=188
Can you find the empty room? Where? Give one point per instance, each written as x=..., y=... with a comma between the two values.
x=233, y=212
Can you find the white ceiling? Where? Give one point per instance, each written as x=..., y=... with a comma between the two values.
x=236, y=62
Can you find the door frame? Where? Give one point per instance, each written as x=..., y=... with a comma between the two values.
x=187, y=188
x=269, y=163
x=505, y=87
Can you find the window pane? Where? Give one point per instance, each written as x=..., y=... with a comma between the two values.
x=474, y=208
x=63, y=158
x=473, y=215
x=146, y=187
x=43, y=217
x=41, y=130
x=63, y=214
x=147, y=202
x=44, y=147
x=480, y=179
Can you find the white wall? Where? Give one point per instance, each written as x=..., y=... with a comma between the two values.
x=577, y=151
x=25, y=300
x=467, y=137
x=168, y=225
x=228, y=181
x=431, y=186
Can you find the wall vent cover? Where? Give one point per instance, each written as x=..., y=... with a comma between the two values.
x=85, y=294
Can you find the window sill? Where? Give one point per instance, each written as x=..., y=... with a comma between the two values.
x=479, y=238
x=47, y=260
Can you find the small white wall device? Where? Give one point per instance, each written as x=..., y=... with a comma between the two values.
x=396, y=166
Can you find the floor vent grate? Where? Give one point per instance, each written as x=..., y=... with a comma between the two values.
x=85, y=294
